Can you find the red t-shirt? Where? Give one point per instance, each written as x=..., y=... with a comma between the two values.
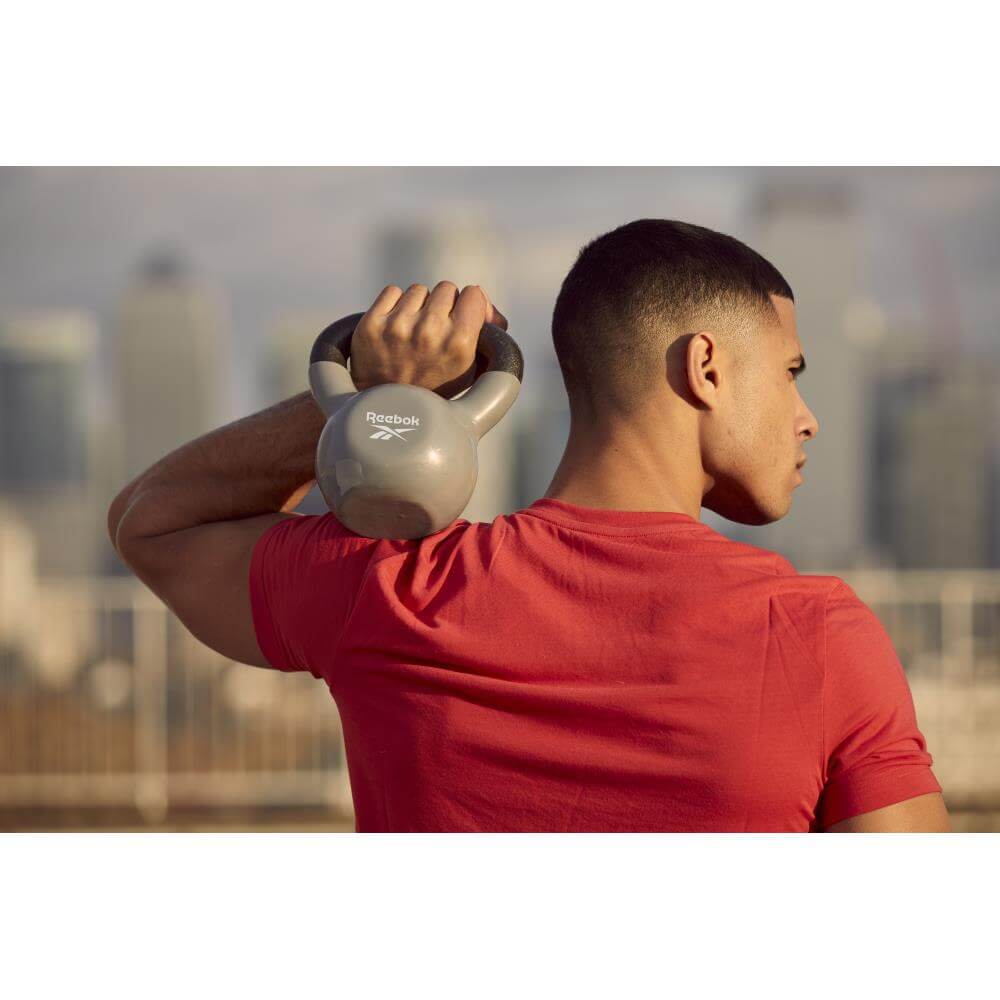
x=565, y=668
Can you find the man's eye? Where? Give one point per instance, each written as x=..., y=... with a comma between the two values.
x=795, y=372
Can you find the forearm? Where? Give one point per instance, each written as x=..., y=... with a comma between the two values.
x=259, y=464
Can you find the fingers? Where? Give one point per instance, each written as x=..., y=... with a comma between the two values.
x=386, y=301
x=441, y=301
x=468, y=309
x=411, y=301
x=493, y=315
x=469, y=313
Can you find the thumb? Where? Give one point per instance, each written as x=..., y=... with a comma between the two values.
x=493, y=315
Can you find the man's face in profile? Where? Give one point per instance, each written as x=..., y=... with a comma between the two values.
x=767, y=424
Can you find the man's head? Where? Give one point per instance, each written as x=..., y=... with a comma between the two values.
x=686, y=337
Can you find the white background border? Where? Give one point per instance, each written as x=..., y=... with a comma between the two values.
x=445, y=83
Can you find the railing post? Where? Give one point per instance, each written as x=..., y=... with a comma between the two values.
x=150, y=658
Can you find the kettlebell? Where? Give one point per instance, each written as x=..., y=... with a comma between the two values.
x=400, y=461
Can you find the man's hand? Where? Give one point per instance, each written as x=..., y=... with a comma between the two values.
x=420, y=339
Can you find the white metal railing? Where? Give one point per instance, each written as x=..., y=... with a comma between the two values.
x=130, y=709
x=108, y=700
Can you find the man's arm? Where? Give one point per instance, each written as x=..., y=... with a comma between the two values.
x=189, y=524
x=921, y=814
x=878, y=770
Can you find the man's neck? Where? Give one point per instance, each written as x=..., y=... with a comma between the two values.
x=625, y=475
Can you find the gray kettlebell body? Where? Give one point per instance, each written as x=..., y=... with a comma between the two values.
x=400, y=461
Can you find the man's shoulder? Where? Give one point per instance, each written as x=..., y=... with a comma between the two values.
x=731, y=558
x=803, y=595
x=755, y=559
x=751, y=557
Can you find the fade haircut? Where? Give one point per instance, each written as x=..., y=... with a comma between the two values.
x=636, y=289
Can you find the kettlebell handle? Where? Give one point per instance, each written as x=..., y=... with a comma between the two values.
x=499, y=360
x=495, y=347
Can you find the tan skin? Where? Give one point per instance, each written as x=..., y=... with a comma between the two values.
x=727, y=437
x=188, y=525
x=422, y=339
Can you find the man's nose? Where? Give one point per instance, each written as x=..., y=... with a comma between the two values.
x=811, y=426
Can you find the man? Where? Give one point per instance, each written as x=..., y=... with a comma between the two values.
x=601, y=660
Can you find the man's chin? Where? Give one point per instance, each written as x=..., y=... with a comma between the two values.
x=742, y=510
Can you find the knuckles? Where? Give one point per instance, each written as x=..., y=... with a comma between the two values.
x=462, y=346
x=397, y=330
x=429, y=321
x=423, y=333
x=426, y=339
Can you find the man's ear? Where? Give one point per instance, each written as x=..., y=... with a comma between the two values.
x=704, y=373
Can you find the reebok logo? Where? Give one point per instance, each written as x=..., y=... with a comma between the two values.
x=384, y=433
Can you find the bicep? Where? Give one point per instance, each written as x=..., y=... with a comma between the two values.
x=202, y=574
x=921, y=814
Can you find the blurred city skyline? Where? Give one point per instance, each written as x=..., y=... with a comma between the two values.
x=286, y=239
x=141, y=307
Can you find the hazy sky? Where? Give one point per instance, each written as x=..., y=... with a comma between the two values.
x=284, y=239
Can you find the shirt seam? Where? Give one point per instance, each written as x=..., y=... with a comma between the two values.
x=504, y=531
x=591, y=529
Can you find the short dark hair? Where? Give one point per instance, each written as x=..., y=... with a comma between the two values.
x=633, y=290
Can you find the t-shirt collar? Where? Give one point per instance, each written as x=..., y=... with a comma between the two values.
x=616, y=521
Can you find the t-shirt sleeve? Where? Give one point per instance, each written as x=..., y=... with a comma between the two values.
x=875, y=754
x=305, y=576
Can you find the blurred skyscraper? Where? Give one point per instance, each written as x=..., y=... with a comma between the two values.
x=284, y=364
x=168, y=360
x=18, y=580
x=935, y=459
x=52, y=456
x=812, y=233
x=284, y=371
x=464, y=248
